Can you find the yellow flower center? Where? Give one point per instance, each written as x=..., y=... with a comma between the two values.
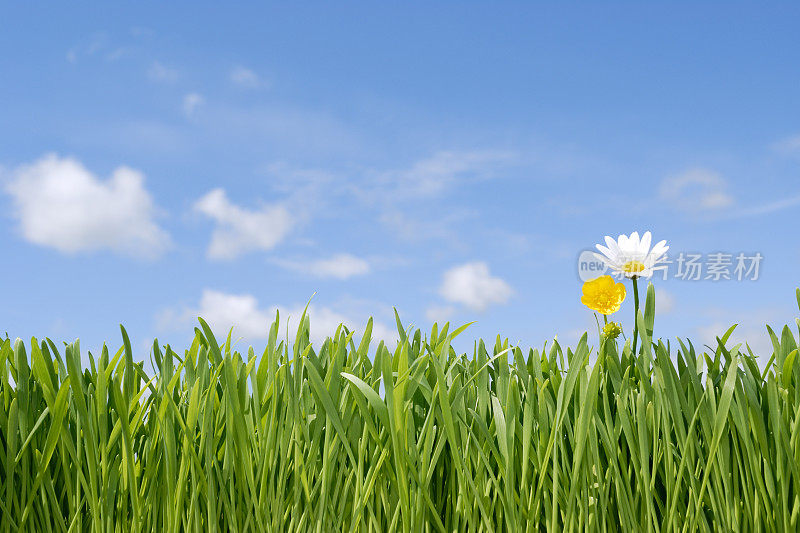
x=633, y=267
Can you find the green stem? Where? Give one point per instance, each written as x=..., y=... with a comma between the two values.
x=635, y=313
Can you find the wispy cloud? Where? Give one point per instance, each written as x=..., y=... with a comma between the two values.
x=697, y=189
x=768, y=208
x=788, y=146
x=191, y=103
x=290, y=129
x=414, y=228
x=246, y=78
x=141, y=32
x=432, y=176
x=702, y=191
x=161, y=73
x=60, y=204
x=397, y=196
x=98, y=45
x=339, y=266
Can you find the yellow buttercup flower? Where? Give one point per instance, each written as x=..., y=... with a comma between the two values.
x=603, y=295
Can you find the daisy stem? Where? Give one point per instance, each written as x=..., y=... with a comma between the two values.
x=635, y=313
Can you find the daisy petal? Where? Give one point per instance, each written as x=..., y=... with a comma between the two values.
x=605, y=251
x=605, y=260
x=645, y=242
x=612, y=245
x=634, y=240
x=659, y=249
x=623, y=244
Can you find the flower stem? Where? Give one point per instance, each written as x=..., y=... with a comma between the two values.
x=635, y=313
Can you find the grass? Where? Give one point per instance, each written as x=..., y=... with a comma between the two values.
x=344, y=437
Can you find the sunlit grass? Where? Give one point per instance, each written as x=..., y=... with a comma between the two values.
x=351, y=436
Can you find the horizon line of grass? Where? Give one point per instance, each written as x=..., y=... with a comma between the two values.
x=418, y=438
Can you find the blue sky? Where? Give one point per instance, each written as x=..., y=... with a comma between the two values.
x=451, y=160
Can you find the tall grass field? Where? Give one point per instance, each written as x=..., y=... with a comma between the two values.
x=353, y=435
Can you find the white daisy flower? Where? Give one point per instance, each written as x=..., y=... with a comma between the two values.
x=631, y=256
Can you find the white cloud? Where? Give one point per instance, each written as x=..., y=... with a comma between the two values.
x=696, y=189
x=246, y=78
x=223, y=310
x=473, y=286
x=241, y=230
x=191, y=102
x=339, y=266
x=161, y=73
x=62, y=205
x=250, y=321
